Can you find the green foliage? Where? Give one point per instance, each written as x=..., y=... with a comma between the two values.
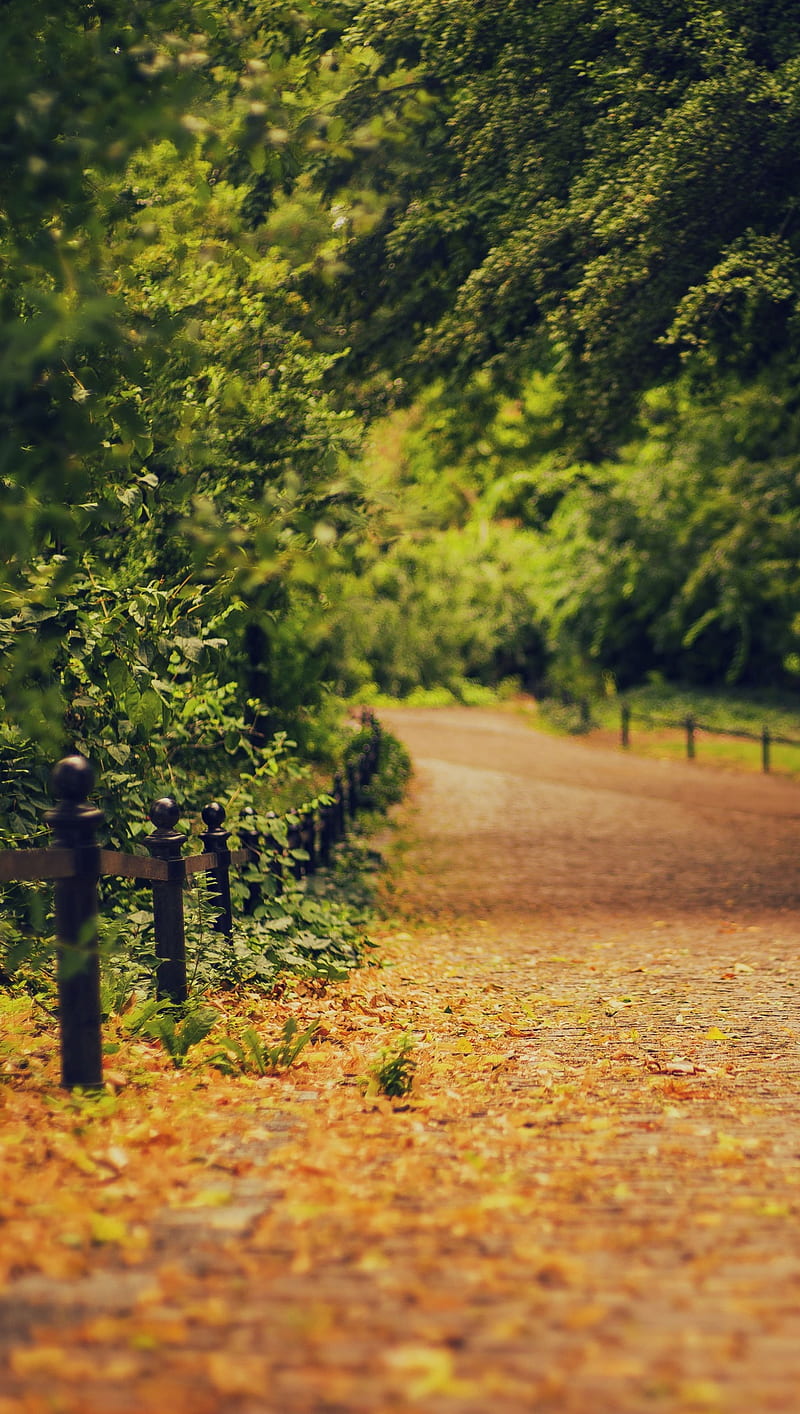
x=249, y=1053
x=726, y=709
x=313, y=928
x=393, y=1072
x=678, y=557
x=228, y=231
x=392, y=774
x=430, y=611
x=682, y=557
x=174, y=481
x=178, y=1029
x=605, y=188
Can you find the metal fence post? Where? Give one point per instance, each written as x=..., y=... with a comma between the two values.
x=73, y=824
x=166, y=843
x=327, y=833
x=375, y=745
x=625, y=725
x=690, y=726
x=340, y=806
x=766, y=741
x=352, y=789
x=215, y=841
x=276, y=863
x=294, y=840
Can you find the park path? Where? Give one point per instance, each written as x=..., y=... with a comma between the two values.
x=651, y=909
x=590, y=1200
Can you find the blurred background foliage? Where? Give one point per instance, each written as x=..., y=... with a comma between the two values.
x=370, y=348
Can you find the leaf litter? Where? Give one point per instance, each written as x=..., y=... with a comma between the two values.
x=570, y=1204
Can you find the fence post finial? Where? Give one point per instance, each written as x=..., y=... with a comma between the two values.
x=215, y=841
x=166, y=843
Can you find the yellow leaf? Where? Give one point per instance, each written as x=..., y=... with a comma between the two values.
x=429, y=1370
x=236, y=1373
x=372, y=1260
x=209, y=1198
x=701, y=1394
x=582, y=1317
x=116, y=1157
x=41, y=1360
x=75, y=1155
x=51, y=1360
x=104, y=1228
x=155, y=1333
x=714, y=1034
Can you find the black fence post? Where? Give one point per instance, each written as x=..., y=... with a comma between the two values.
x=276, y=850
x=690, y=726
x=352, y=789
x=327, y=833
x=375, y=745
x=340, y=806
x=73, y=824
x=166, y=843
x=294, y=842
x=766, y=741
x=625, y=725
x=215, y=841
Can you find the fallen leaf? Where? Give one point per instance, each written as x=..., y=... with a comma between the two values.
x=105, y=1228
x=237, y=1373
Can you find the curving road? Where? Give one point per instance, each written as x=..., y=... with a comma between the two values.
x=530, y=827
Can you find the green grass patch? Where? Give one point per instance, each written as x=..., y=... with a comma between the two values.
x=658, y=713
x=463, y=692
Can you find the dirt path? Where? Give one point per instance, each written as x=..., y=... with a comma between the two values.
x=590, y=1202
x=544, y=831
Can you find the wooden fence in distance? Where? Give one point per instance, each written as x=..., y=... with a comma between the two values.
x=691, y=726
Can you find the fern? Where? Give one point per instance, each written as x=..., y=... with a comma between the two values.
x=248, y=1053
x=178, y=1031
x=393, y=1072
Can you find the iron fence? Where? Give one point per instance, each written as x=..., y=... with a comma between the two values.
x=75, y=862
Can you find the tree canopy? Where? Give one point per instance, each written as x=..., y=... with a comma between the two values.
x=610, y=187
x=174, y=476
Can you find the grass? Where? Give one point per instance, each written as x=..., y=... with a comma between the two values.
x=461, y=693
x=725, y=711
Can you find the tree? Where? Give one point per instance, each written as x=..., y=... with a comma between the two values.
x=173, y=476
x=607, y=187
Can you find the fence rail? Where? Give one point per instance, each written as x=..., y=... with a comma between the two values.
x=691, y=726
x=75, y=863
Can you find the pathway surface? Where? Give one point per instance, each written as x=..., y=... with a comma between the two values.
x=590, y=1201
